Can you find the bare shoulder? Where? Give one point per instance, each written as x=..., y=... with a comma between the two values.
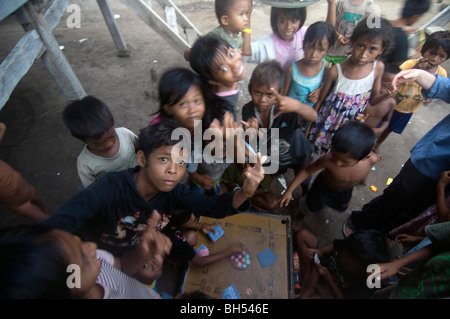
x=379, y=68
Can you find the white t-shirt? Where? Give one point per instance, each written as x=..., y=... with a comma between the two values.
x=118, y=285
x=91, y=167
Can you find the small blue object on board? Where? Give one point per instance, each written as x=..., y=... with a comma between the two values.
x=231, y=293
x=266, y=258
x=219, y=232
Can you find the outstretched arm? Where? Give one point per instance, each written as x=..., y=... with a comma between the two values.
x=421, y=255
x=331, y=12
x=421, y=77
x=286, y=104
x=230, y=251
x=300, y=177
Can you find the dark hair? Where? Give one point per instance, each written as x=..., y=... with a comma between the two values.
x=436, y=40
x=368, y=246
x=33, y=265
x=354, y=138
x=203, y=55
x=159, y=134
x=391, y=68
x=222, y=7
x=415, y=7
x=174, y=84
x=291, y=13
x=384, y=31
x=267, y=73
x=88, y=117
x=319, y=30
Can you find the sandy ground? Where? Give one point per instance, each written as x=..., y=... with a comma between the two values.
x=38, y=145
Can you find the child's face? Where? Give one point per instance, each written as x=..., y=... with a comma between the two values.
x=315, y=52
x=151, y=270
x=287, y=27
x=434, y=57
x=236, y=19
x=343, y=159
x=229, y=69
x=106, y=145
x=366, y=50
x=189, y=109
x=263, y=96
x=83, y=254
x=162, y=172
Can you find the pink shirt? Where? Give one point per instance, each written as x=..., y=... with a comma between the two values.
x=288, y=52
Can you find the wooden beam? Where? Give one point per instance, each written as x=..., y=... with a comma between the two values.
x=121, y=46
x=153, y=20
x=440, y=20
x=55, y=60
x=26, y=50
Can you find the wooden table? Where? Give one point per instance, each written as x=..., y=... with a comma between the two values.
x=258, y=231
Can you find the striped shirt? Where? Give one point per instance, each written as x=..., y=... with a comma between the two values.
x=118, y=285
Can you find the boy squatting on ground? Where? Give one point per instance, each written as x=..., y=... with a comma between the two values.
x=113, y=211
x=345, y=166
x=107, y=149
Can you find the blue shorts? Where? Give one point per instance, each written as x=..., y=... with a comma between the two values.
x=399, y=121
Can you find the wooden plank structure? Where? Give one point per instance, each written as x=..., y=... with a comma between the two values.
x=258, y=231
x=35, y=43
x=167, y=27
x=440, y=20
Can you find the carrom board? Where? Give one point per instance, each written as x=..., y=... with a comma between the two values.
x=258, y=231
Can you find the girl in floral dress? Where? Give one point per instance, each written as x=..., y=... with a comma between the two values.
x=350, y=85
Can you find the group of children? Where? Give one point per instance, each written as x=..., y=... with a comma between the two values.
x=323, y=88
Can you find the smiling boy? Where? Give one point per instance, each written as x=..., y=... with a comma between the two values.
x=113, y=211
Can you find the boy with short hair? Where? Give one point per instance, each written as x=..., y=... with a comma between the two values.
x=408, y=97
x=107, y=149
x=345, y=166
x=234, y=24
x=113, y=211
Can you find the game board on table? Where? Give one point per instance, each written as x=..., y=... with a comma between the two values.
x=263, y=272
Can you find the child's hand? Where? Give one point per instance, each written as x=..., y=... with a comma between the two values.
x=406, y=238
x=251, y=123
x=154, y=244
x=422, y=63
x=238, y=248
x=285, y=104
x=205, y=181
x=313, y=97
x=426, y=101
x=361, y=117
x=253, y=175
x=285, y=199
x=343, y=39
x=205, y=228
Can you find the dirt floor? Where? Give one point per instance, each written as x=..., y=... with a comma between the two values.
x=38, y=145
